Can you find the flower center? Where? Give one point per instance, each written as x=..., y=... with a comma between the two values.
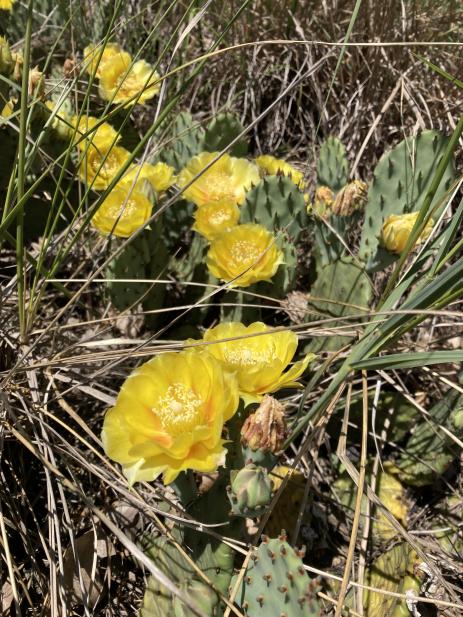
x=243, y=355
x=108, y=168
x=218, y=185
x=179, y=409
x=245, y=253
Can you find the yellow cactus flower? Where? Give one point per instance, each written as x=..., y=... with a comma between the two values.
x=244, y=255
x=257, y=361
x=397, y=229
x=124, y=81
x=99, y=167
x=213, y=219
x=92, y=54
x=161, y=176
x=224, y=183
x=102, y=138
x=6, y=5
x=124, y=210
x=62, y=121
x=7, y=110
x=272, y=166
x=169, y=417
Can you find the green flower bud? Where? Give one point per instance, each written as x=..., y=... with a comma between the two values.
x=250, y=491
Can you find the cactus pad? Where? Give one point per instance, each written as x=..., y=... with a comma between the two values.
x=222, y=130
x=277, y=204
x=332, y=166
x=339, y=285
x=187, y=140
x=275, y=583
x=400, y=183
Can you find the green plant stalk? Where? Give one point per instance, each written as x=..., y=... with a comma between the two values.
x=21, y=174
x=423, y=217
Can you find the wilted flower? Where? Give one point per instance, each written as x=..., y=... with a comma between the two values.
x=36, y=85
x=99, y=167
x=69, y=68
x=18, y=64
x=6, y=5
x=102, y=138
x=224, y=183
x=93, y=53
x=124, y=210
x=244, y=255
x=161, y=176
x=213, y=219
x=169, y=417
x=62, y=121
x=397, y=229
x=350, y=198
x=258, y=361
x=265, y=429
x=273, y=167
x=122, y=81
x=323, y=201
x=6, y=58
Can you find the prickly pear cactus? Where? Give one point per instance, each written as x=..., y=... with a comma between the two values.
x=276, y=584
x=332, y=165
x=276, y=203
x=429, y=451
x=392, y=571
x=389, y=490
x=341, y=288
x=222, y=130
x=187, y=139
x=400, y=183
x=144, y=258
x=250, y=491
x=447, y=528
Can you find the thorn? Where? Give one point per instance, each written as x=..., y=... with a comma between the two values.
x=289, y=576
x=283, y=615
x=301, y=601
x=267, y=577
x=245, y=605
x=301, y=570
x=265, y=539
x=283, y=535
x=283, y=589
x=301, y=552
x=260, y=600
x=248, y=579
x=271, y=554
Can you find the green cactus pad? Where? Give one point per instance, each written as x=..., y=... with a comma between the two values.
x=392, y=571
x=187, y=140
x=277, y=204
x=222, y=130
x=429, y=451
x=400, y=183
x=332, y=165
x=275, y=583
x=343, y=282
x=144, y=258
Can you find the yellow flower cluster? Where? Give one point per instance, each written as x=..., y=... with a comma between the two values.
x=170, y=412
x=128, y=206
x=239, y=254
x=121, y=80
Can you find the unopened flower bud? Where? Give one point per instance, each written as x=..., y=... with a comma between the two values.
x=18, y=64
x=69, y=68
x=250, y=491
x=350, y=198
x=397, y=229
x=265, y=429
x=323, y=200
x=6, y=59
